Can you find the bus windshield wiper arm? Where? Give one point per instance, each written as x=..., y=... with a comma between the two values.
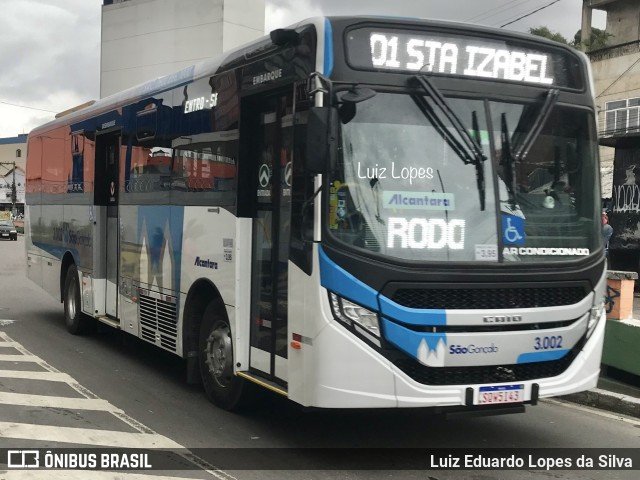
x=523, y=147
x=510, y=156
x=507, y=161
x=466, y=146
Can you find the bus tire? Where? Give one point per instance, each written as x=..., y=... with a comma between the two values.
x=76, y=321
x=222, y=387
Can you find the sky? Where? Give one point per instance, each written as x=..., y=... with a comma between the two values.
x=50, y=49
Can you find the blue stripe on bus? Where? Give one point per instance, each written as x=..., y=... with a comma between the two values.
x=58, y=251
x=328, y=48
x=412, y=316
x=545, y=356
x=409, y=341
x=163, y=228
x=341, y=282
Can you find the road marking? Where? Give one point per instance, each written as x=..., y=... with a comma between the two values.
x=27, y=400
x=594, y=410
x=48, y=376
x=85, y=436
x=82, y=475
x=19, y=358
x=145, y=438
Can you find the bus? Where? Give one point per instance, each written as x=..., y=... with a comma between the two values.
x=353, y=212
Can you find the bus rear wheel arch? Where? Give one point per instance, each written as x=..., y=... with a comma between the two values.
x=76, y=321
x=216, y=360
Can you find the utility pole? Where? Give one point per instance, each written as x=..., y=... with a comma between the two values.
x=14, y=192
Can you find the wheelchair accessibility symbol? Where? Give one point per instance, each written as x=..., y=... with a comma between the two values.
x=512, y=230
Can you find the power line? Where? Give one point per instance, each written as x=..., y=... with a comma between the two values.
x=636, y=89
x=616, y=80
x=25, y=106
x=529, y=14
x=487, y=13
x=516, y=10
x=499, y=18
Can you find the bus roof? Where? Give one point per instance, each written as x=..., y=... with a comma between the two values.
x=213, y=65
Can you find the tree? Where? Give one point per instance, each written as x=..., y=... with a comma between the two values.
x=597, y=41
x=546, y=33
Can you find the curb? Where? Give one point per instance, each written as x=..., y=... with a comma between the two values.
x=605, y=400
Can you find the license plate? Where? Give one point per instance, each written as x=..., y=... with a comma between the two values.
x=501, y=394
x=5, y=234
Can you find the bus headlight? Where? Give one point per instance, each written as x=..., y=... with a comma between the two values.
x=354, y=315
x=596, y=313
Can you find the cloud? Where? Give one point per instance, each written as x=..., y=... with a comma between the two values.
x=50, y=58
x=564, y=16
x=50, y=49
x=283, y=13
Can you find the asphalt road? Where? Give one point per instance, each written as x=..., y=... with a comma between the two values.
x=112, y=389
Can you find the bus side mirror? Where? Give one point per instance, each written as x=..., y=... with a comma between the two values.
x=322, y=125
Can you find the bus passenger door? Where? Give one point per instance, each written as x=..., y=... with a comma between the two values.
x=271, y=229
x=106, y=188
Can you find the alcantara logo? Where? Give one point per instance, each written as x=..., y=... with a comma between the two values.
x=471, y=349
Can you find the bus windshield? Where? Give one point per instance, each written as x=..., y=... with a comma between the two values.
x=402, y=189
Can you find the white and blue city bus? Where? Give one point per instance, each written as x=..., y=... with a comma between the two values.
x=354, y=212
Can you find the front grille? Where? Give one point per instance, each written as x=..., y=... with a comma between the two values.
x=158, y=322
x=488, y=298
x=485, y=374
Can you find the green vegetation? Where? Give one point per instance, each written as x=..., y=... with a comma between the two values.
x=597, y=41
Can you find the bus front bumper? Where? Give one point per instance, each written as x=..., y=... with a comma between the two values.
x=356, y=376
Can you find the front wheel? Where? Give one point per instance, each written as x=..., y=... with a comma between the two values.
x=222, y=386
x=76, y=321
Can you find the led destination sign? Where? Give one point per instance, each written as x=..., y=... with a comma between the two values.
x=402, y=51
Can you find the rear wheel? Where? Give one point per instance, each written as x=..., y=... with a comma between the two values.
x=222, y=387
x=76, y=321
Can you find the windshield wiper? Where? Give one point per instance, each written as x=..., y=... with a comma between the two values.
x=522, y=149
x=510, y=156
x=466, y=146
x=507, y=161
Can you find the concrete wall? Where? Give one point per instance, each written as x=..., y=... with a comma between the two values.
x=612, y=83
x=616, y=75
x=145, y=39
x=623, y=21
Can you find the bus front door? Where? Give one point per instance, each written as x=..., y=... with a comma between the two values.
x=270, y=242
x=107, y=162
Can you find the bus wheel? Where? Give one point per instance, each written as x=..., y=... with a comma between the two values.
x=77, y=322
x=222, y=387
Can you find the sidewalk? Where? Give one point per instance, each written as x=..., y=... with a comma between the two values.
x=618, y=390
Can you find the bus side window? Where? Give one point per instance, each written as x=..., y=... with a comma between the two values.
x=205, y=170
x=146, y=153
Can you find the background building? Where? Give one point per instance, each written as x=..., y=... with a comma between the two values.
x=616, y=70
x=12, y=149
x=145, y=39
